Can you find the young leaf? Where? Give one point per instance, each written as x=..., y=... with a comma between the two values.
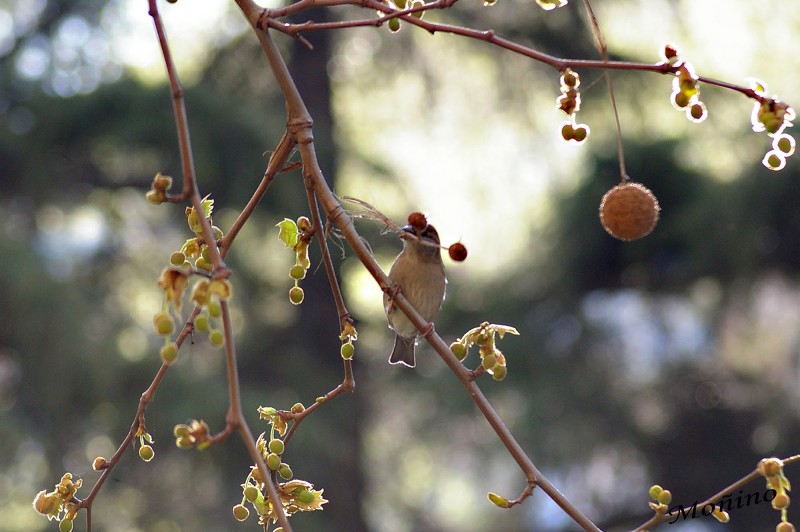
x=288, y=232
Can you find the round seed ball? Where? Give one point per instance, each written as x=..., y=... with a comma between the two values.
x=629, y=211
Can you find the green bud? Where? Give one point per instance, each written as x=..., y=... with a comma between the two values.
x=296, y=295
x=297, y=408
x=459, y=350
x=65, y=525
x=273, y=461
x=347, y=350
x=276, y=446
x=203, y=264
x=215, y=309
x=184, y=442
x=216, y=337
x=201, y=323
x=498, y=500
x=164, y=323
x=285, y=471
x=665, y=497
x=146, y=453
x=240, y=512
x=169, y=353
x=205, y=252
x=655, y=491
x=489, y=362
x=305, y=497
x=499, y=373
x=251, y=493
x=177, y=259
x=394, y=25
x=297, y=272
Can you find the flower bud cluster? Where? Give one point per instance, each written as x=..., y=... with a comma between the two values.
x=661, y=499
x=685, y=87
x=158, y=189
x=400, y=5
x=60, y=503
x=209, y=295
x=570, y=103
x=348, y=336
x=772, y=470
x=146, y=451
x=195, y=250
x=295, y=495
x=296, y=236
x=492, y=359
x=773, y=117
x=195, y=434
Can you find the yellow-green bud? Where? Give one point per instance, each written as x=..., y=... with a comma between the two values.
x=296, y=295
x=276, y=446
x=240, y=512
x=498, y=500
x=164, y=323
x=251, y=493
x=214, y=309
x=285, y=471
x=216, y=337
x=347, y=350
x=305, y=497
x=459, y=350
x=273, y=461
x=655, y=491
x=499, y=373
x=297, y=272
x=169, y=353
x=146, y=453
x=201, y=323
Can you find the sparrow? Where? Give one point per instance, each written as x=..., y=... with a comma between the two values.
x=418, y=271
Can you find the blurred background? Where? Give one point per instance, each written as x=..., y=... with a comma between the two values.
x=669, y=360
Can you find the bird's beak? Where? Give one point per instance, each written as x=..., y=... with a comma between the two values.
x=407, y=229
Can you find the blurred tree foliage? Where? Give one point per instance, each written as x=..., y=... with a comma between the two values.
x=653, y=361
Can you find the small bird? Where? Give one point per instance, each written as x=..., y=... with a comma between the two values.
x=419, y=272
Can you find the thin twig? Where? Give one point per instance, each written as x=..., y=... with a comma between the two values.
x=489, y=36
x=300, y=125
x=659, y=518
x=190, y=189
x=600, y=42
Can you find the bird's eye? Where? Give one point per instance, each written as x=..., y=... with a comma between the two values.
x=430, y=232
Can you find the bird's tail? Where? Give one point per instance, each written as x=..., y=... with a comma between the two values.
x=403, y=352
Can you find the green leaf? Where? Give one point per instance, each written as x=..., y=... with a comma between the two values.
x=288, y=232
x=208, y=206
x=502, y=330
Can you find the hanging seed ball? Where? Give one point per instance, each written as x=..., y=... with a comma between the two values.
x=417, y=220
x=458, y=252
x=629, y=211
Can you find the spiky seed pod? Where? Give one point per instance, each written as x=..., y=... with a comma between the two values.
x=629, y=211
